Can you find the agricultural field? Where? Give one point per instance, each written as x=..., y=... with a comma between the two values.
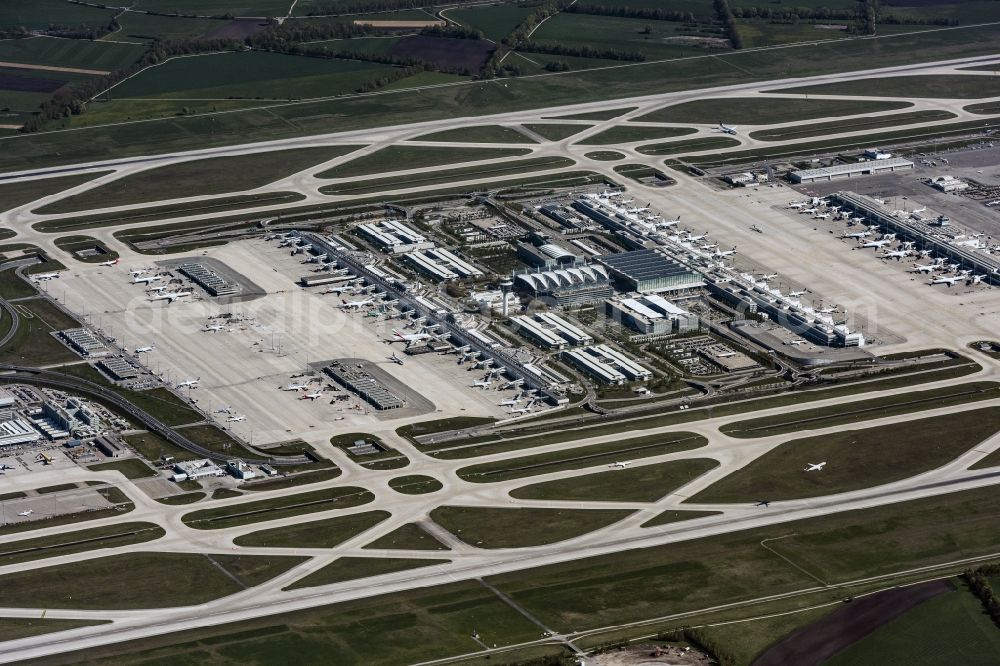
x=13, y=195
x=216, y=7
x=627, y=35
x=138, y=27
x=71, y=53
x=494, y=21
x=39, y=15
x=251, y=75
x=216, y=175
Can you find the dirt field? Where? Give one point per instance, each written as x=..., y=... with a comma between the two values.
x=401, y=25
x=452, y=54
x=821, y=640
x=52, y=68
x=28, y=84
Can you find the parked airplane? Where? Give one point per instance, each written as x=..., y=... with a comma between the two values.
x=767, y=277
x=950, y=279
x=225, y=409
x=895, y=254
x=395, y=359
x=313, y=396
x=821, y=216
x=621, y=464
x=169, y=296
x=925, y=268
x=719, y=254
x=193, y=383
x=809, y=211
x=336, y=290
x=880, y=243
x=212, y=328
x=44, y=458
x=144, y=350
x=295, y=387
x=828, y=310
x=113, y=262
x=26, y=513
x=158, y=289
x=797, y=205
x=723, y=127
x=356, y=304
x=513, y=402
x=800, y=341
x=43, y=277
x=485, y=383
x=408, y=338
x=520, y=410
x=814, y=467
x=976, y=279
x=763, y=503
x=5, y=466
x=145, y=279
x=236, y=418
x=857, y=234
x=796, y=294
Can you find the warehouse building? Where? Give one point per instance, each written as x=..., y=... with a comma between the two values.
x=196, y=469
x=394, y=237
x=835, y=171
x=84, y=342
x=649, y=270
x=16, y=431
x=550, y=331
x=540, y=251
x=241, y=470
x=607, y=365
x=119, y=369
x=209, y=280
x=365, y=385
x=568, y=287
x=651, y=314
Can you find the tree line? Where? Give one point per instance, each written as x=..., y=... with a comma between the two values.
x=648, y=14
x=728, y=20
x=978, y=582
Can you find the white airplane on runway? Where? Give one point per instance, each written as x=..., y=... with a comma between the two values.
x=193, y=383
x=814, y=467
x=169, y=296
x=144, y=350
x=113, y=262
x=234, y=419
x=313, y=396
x=26, y=513
x=723, y=127
x=620, y=465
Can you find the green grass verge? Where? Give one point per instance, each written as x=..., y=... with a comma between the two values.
x=293, y=480
x=200, y=177
x=596, y=115
x=855, y=458
x=503, y=169
x=73, y=244
x=132, y=468
x=407, y=537
x=314, y=534
x=944, y=86
x=647, y=483
x=352, y=568
x=700, y=143
x=568, y=458
x=56, y=489
x=138, y=580
x=605, y=155
x=274, y=508
x=556, y=131
x=182, y=499
x=672, y=516
x=442, y=425
x=854, y=125
x=24, y=192
x=33, y=343
x=764, y=110
x=152, y=447
x=634, y=133
x=862, y=410
x=395, y=158
x=489, y=527
x=415, y=484
x=81, y=541
x=155, y=213
x=478, y=134
x=12, y=628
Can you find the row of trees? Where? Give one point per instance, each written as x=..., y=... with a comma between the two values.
x=585, y=51
x=978, y=582
x=64, y=31
x=645, y=13
x=372, y=6
x=728, y=20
